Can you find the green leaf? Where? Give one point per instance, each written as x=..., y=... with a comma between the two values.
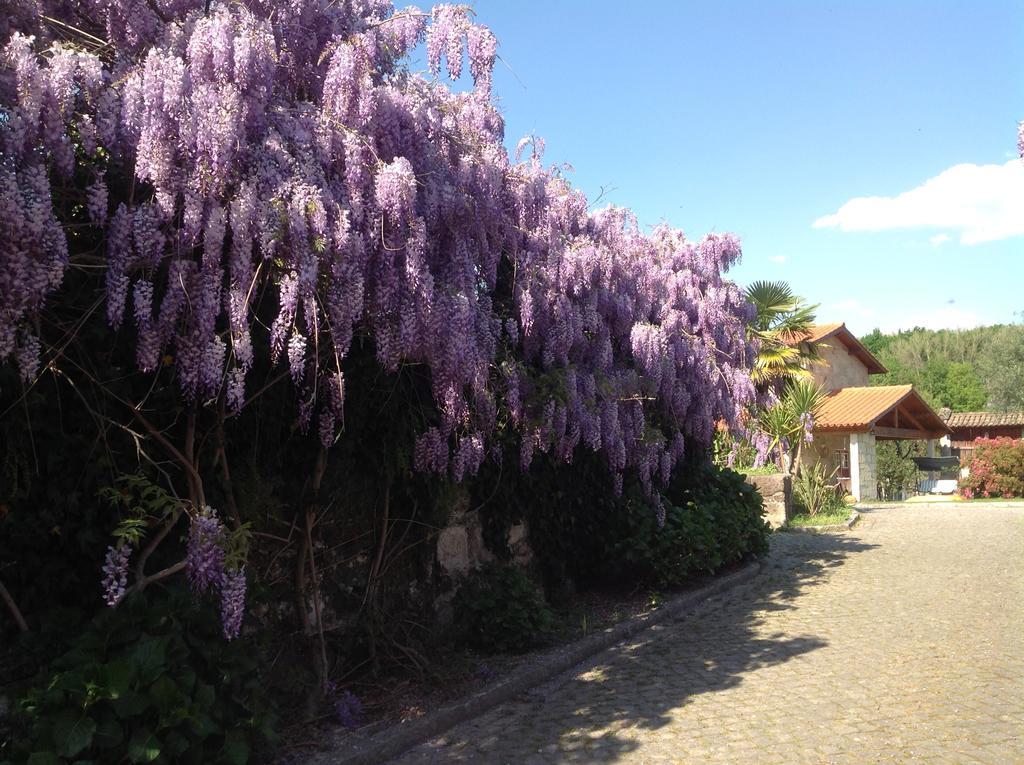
x=236, y=749
x=117, y=678
x=130, y=704
x=149, y=656
x=108, y=733
x=205, y=695
x=44, y=758
x=175, y=744
x=165, y=694
x=202, y=724
x=143, y=746
x=69, y=681
x=72, y=732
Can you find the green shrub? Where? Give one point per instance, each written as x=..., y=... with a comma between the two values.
x=148, y=682
x=814, y=491
x=501, y=609
x=712, y=518
x=582, y=532
x=685, y=546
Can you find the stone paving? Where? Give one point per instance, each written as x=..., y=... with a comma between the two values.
x=901, y=641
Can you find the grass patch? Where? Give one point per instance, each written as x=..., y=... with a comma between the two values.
x=824, y=518
x=766, y=470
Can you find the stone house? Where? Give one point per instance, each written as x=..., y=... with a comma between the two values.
x=855, y=415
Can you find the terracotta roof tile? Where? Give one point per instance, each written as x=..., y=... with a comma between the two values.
x=868, y=408
x=853, y=408
x=860, y=409
x=985, y=419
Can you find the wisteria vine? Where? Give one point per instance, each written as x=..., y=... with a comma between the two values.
x=228, y=151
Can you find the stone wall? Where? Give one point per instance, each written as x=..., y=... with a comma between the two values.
x=777, y=491
x=840, y=368
x=461, y=550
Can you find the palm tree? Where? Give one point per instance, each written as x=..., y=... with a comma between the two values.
x=782, y=319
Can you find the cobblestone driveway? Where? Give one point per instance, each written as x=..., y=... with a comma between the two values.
x=900, y=641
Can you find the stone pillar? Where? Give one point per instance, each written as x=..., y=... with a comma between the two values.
x=863, y=481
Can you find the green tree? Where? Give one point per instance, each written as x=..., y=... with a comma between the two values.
x=964, y=390
x=875, y=341
x=945, y=365
x=1003, y=369
x=895, y=469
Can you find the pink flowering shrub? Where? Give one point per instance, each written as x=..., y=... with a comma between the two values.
x=997, y=469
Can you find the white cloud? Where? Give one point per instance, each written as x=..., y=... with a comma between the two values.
x=983, y=203
x=780, y=259
x=938, y=239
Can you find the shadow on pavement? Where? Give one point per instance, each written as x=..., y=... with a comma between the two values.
x=581, y=716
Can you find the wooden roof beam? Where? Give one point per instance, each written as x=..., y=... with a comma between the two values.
x=906, y=433
x=913, y=420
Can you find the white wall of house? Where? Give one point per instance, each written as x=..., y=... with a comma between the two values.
x=838, y=368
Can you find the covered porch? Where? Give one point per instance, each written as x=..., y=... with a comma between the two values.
x=852, y=420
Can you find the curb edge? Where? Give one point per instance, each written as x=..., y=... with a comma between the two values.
x=404, y=737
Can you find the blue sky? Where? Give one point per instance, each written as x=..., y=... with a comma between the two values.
x=762, y=118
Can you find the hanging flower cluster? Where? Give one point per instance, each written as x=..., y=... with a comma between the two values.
x=762, y=443
x=205, y=551
x=807, y=424
x=115, y=573
x=207, y=569
x=232, y=602
x=258, y=150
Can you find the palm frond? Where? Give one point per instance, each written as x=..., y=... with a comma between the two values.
x=782, y=319
x=804, y=396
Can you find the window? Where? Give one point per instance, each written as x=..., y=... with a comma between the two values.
x=843, y=463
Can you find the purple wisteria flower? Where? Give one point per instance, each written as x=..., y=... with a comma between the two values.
x=659, y=510
x=348, y=709
x=232, y=602
x=762, y=444
x=807, y=423
x=115, y=573
x=485, y=672
x=734, y=451
x=388, y=204
x=205, y=556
